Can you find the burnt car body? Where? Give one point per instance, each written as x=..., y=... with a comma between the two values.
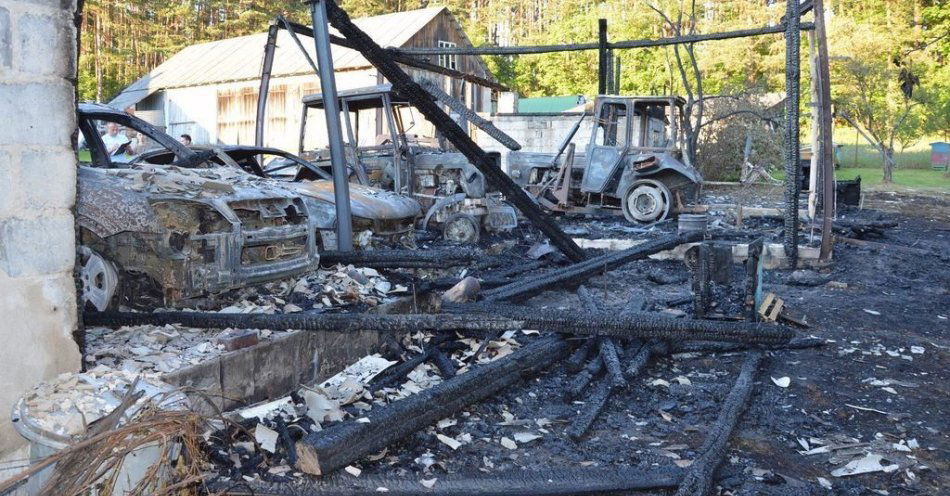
x=453, y=192
x=179, y=228
x=633, y=163
x=379, y=217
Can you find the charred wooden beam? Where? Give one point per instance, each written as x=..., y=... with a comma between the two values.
x=580, y=381
x=793, y=170
x=340, y=322
x=394, y=259
x=444, y=363
x=422, y=100
x=704, y=347
x=402, y=58
x=608, y=360
x=580, y=272
x=470, y=318
x=344, y=443
x=698, y=480
x=634, y=325
x=575, y=362
x=593, y=404
x=539, y=481
x=611, y=359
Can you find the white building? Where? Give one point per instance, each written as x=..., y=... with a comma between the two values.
x=209, y=90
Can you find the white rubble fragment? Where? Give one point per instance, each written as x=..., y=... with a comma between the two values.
x=871, y=462
x=446, y=440
x=525, y=437
x=266, y=437
x=782, y=382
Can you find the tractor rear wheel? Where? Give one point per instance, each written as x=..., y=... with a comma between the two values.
x=646, y=201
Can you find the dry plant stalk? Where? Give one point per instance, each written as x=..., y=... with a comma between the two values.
x=92, y=465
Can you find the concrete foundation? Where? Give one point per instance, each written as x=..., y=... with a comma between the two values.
x=271, y=369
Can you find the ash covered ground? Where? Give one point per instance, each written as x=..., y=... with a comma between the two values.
x=872, y=398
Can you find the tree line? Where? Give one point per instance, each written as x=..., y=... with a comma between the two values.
x=889, y=57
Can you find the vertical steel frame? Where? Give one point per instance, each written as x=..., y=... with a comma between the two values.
x=341, y=186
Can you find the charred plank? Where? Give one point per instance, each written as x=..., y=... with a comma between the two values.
x=395, y=259
x=562, y=481
x=580, y=272
x=471, y=318
x=698, y=480
x=344, y=443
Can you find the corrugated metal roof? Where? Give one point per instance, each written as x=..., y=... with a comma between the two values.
x=240, y=59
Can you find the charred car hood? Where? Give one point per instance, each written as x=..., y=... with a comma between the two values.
x=366, y=202
x=117, y=200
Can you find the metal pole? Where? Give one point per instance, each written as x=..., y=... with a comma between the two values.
x=269, y=48
x=341, y=186
x=793, y=168
x=577, y=47
x=602, y=57
x=616, y=73
x=825, y=140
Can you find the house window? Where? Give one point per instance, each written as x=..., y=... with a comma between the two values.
x=448, y=61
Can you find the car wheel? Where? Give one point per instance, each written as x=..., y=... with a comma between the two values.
x=646, y=201
x=99, y=279
x=461, y=228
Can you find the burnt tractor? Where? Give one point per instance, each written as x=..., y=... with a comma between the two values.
x=633, y=163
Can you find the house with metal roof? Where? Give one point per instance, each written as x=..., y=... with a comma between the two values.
x=209, y=90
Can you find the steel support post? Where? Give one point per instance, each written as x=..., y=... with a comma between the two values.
x=341, y=186
x=269, y=47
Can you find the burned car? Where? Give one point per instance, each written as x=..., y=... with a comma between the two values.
x=178, y=228
x=454, y=193
x=380, y=218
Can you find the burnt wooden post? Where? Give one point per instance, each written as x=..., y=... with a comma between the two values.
x=602, y=57
x=792, y=163
x=825, y=139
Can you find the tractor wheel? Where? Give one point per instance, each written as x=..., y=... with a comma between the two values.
x=461, y=228
x=646, y=201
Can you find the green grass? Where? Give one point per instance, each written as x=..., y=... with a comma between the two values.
x=856, y=152
x=872, y=179
x=919, y=179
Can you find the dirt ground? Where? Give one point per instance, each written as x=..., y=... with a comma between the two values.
x=874, y=396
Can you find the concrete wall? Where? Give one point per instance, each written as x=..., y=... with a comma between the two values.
x=536, y=133
x=38, y=174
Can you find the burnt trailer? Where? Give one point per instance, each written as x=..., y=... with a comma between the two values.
x=633, y=163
